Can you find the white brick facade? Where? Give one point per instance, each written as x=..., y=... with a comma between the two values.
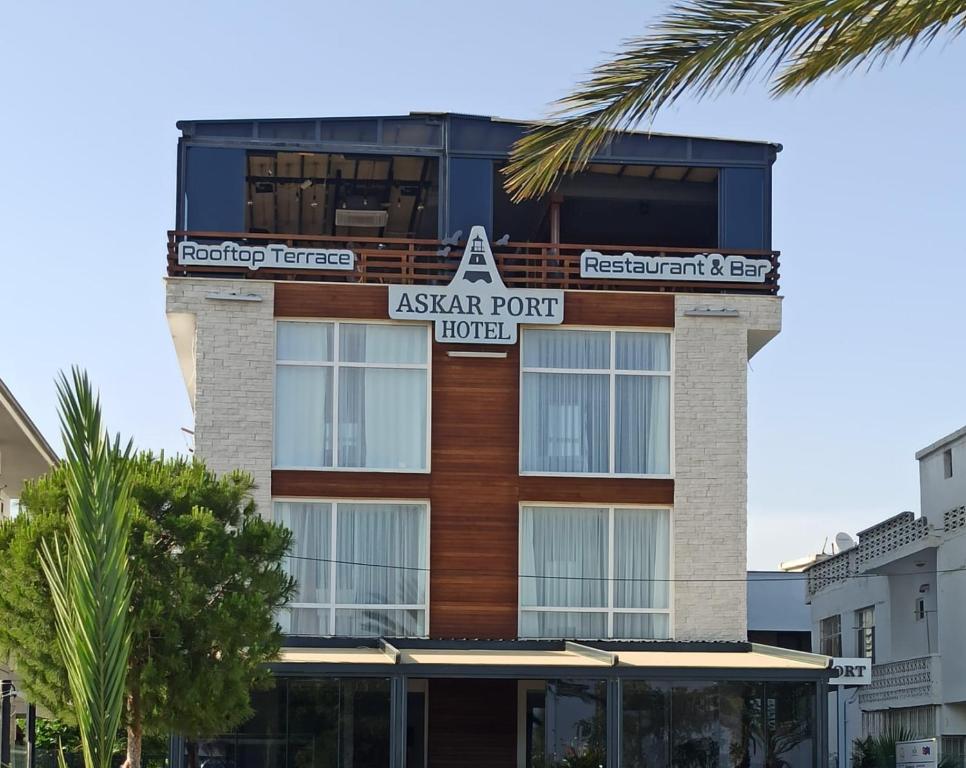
x=711, y=457
x=232, y=373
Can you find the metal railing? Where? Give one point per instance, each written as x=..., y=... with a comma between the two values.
x=384, y=260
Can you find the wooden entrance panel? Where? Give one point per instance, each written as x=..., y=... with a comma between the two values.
x=472, y=723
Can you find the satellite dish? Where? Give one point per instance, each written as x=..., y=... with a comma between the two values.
x=843, y=541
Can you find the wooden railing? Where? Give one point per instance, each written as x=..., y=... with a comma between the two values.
x=383, y=260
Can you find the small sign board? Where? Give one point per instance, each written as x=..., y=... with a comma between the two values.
x=921, y=753
x=702, y=267
x=276, y=255
x=856, y=671
x=476, y=307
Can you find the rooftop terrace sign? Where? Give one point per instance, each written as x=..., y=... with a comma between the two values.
x=245, y=256
x=702, y=267
x=476, y=307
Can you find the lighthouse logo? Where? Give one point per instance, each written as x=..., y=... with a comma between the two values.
x=476, y=307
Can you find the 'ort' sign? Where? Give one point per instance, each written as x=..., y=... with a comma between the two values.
x=851, y=672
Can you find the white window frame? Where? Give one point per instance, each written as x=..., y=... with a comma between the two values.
x=612, y=372
x=334, y=365
x=332, y=557
x=609, y=610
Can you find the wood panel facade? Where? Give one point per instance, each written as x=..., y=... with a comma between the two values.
x=475, y=488
x=472, y=723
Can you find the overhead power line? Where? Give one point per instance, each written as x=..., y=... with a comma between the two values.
x=702, y=580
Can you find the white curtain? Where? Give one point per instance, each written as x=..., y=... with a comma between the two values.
x=379, y=622
x=311, y=526
x=566, y=349
x=642, y=432
x=303, y=416
x=558, y=544
x=382, y=535
x=303, y=342
x=382, y=411
x=382, y=418
x=556, y=624
x=380, y=343
x=566, y=418
x=642, y=549
x=642, y=438
x=641, y=626
x=642, y=351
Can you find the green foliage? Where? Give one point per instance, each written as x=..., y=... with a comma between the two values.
x=704, y=47
x=207, y=578
x=87, y=570
x=879, y=751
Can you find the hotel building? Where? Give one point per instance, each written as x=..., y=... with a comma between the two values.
x=510, y=440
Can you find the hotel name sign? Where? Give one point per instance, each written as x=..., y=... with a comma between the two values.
x=476, y=307
x=702, y=267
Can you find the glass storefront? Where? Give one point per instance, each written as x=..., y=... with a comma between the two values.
x=307, y=723
x=718, y=724
x=346, y=723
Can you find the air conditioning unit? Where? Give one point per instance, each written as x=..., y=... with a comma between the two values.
x=348, y=218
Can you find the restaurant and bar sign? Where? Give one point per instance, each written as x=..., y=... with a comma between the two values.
x=476, y=307
x=244, y=256
x=702, y=267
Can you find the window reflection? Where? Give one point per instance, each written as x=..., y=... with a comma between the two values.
x=304, y=723
x=718, y=724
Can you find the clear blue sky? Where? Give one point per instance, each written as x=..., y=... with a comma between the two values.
x=870, y=198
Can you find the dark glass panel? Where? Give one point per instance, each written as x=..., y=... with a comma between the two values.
x=364, y=724
x=646, y=724
x=694, y=725
x=742, y=733
x=313, y=709
x=790, y=720
x=576, y=723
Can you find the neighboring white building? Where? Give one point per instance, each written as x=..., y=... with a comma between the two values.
x=898, y=596
x=24, y=454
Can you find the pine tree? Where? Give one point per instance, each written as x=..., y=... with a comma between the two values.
x=207, y=579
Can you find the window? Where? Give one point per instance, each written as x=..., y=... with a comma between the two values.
x=351, y=396
x=361, y=568
x=830, y=631
x=596, y=402
x=920, y=612
x=595, y=572
x=948, y=463
x=865, y=633
x=308, y=193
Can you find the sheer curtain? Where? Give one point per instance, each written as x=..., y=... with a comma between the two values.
x=565, y=422
x=303, y=394
x=563, y=563
x=382, y=411
x=303, y=416
x=642, y=435
x=311, y=526
x=377, y=535
x=566, y=407
x=642, y=550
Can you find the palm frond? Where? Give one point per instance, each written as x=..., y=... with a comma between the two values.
x=88, y=572
x=703, y=47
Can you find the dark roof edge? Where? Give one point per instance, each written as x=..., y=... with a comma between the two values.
x=182, y=124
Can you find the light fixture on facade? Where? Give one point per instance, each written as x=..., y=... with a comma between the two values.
x=233, y=296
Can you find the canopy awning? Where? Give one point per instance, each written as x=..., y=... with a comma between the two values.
x=521, y=658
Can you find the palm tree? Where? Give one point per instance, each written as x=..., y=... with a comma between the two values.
x=88, y=572
x=703, y=47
